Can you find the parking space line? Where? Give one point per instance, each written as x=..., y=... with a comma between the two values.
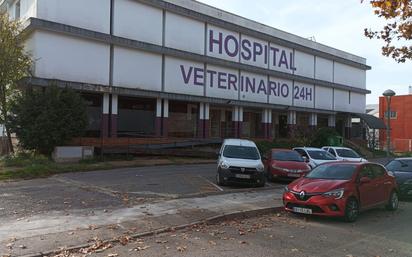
x=213, y=184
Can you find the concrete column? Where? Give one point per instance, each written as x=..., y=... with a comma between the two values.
x=348, y=127
x=114, y=116
x=267, y=123
x=332, y=121
x=223, y=126
x=207, y=120
x=165, y=118
x=263, y=124
x=158, y=119
x=237, y=118
x=313, y=120
x=292, y=127
x=104, y=130
x=240, y=121
x=276, y=124
x=201, y=121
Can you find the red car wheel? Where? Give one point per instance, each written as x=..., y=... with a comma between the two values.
x=351, y=210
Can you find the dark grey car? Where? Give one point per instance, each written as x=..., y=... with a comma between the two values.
x=402, y=170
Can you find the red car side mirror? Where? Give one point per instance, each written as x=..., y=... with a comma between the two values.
x=365, y=180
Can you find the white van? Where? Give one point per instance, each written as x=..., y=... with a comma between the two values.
x=240, y=162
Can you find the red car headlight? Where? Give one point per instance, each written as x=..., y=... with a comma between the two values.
x=337, y=194
x=278, y=168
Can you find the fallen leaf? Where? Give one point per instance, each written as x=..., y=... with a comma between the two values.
x=295, y=250
x=92, y=227
x=212, y=242
x=181, y=248
x=124, y=240
x=112, y=255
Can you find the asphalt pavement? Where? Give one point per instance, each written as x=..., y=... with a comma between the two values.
x=70, y=209
x=109, y=190
x=376, y=233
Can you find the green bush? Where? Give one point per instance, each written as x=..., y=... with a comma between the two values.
x=322, y=136
x=45, y=118
x=264, y=146
x=25, y=159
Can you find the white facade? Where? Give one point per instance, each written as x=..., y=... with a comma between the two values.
x=248, y=64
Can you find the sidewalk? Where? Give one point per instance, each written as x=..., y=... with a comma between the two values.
x=45, y=233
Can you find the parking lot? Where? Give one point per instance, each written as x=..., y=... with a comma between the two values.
x=112, y=189
x=376, y=233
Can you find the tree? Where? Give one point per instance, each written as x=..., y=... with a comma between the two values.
x=44, y=118
x=398, y=30
x=15, y=64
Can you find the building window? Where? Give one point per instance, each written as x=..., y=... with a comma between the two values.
x=183, y=119
x=17, y=10
x=394, y=115
x=94, y=103
x=136, y=117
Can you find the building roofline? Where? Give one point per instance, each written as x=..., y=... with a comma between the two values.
x=249, y=24
x=44, y=25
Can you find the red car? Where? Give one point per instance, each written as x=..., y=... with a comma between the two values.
x=285, y=164
x=342, y=189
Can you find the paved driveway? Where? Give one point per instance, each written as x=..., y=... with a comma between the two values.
x=107, y=190
x=376, y=233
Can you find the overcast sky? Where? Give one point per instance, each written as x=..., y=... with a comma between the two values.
x=336, y=23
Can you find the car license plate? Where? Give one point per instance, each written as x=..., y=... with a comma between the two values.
x=242, y=176
x=294, y=175
x=302, y=210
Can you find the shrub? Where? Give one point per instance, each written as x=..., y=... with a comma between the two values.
x=25, y=159
x=322, y=136
x=45, y=118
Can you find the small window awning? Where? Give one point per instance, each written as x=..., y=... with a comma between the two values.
x=372, y=121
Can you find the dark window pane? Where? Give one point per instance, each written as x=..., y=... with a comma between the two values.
x=183, y=119
x=347, y=153
x=241, y=152
x=337, y=171
x=321, y=155
x=400, y=165
x=136, y=116
x=287, y=156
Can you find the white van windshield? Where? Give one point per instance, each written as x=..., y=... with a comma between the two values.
x=241, y=152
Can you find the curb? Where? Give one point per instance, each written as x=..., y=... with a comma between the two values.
x=208, y=221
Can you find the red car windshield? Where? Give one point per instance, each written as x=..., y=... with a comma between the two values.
x=333, y=172
x=286, y=156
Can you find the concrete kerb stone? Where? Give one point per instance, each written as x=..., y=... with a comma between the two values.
x=211, y=220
